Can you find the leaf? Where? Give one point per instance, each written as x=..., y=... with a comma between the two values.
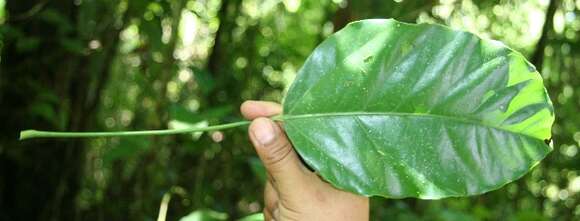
x=253, y=217
x=205, y=215
x=384, y=108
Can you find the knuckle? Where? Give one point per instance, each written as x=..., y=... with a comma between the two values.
x=279, y=154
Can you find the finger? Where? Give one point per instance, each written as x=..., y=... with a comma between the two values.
x=270, y=197
x=254, y=109
x=267, y=215
x=277, y=154
x=276, y=213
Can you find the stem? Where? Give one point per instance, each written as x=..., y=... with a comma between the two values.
x=29, y=134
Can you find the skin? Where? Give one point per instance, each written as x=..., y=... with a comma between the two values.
x=293, y=192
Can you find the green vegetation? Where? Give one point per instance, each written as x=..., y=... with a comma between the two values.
x=478, y=112
x=128, y=65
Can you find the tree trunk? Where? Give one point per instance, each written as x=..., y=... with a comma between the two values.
x=538, y=56
x=219, y=61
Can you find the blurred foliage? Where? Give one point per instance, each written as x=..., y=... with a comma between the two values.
x=151, y=64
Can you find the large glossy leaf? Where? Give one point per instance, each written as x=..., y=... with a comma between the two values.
x=400, y=110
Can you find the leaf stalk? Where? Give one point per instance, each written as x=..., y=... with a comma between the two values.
x=29, y=134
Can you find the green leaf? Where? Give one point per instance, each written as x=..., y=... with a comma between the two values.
x=253, y=217
x=399, y=110
x=205, y=215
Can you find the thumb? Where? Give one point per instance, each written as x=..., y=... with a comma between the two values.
x=277, y=154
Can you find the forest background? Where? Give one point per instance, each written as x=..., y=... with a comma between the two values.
x=151, y=64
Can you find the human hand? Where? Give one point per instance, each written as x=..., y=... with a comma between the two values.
x=292, y=191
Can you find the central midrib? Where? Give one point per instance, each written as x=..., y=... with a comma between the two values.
x=287, y=117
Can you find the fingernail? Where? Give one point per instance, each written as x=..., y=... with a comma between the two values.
x=264, y=132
